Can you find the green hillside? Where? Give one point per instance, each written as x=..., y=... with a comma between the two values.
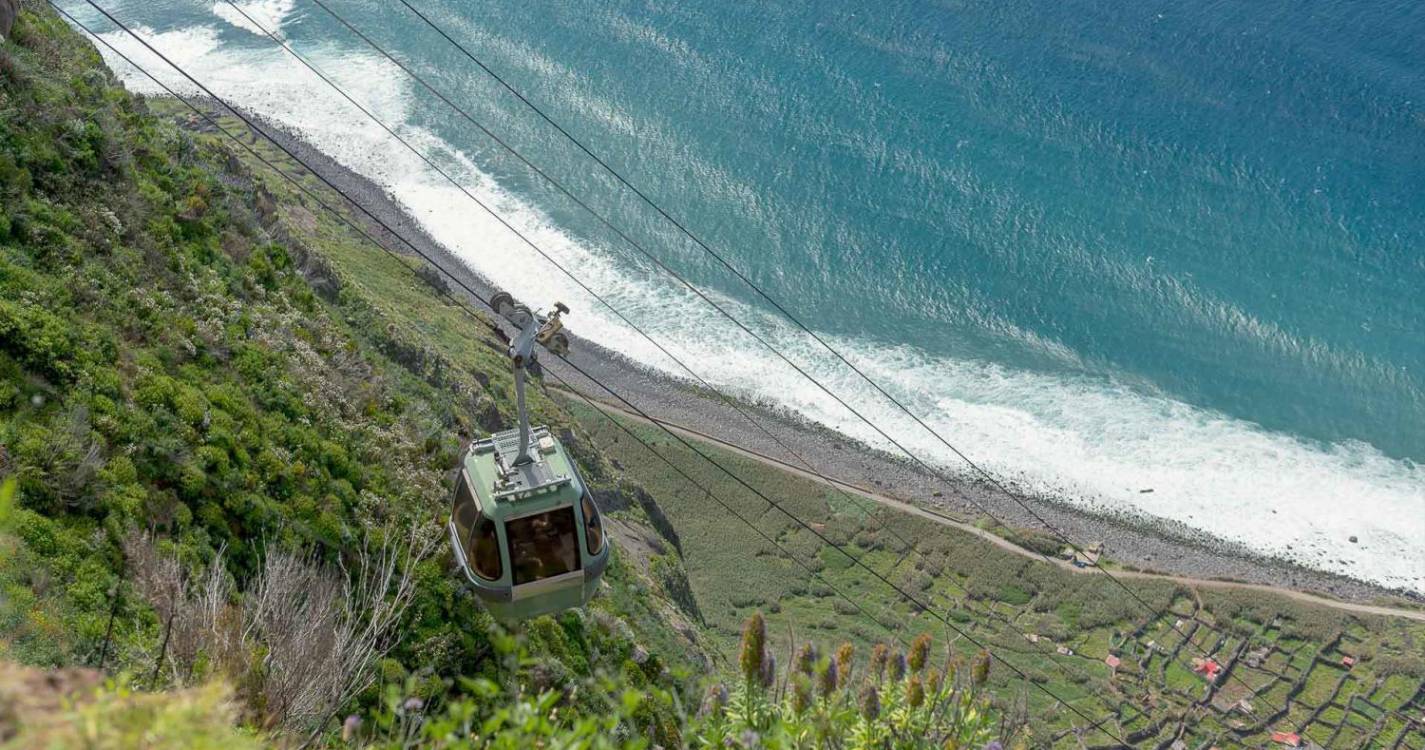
x=227, y=429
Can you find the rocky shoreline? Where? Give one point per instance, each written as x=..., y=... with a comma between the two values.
x=1144, y=543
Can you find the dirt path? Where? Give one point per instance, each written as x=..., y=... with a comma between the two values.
x=1001, y=542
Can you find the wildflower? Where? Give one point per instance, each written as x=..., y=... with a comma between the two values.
x=879, y=654
x=828, y=679
x=413, y=705
x=754, y=647
x=897, y=665
x=980, y=670
x=844, y=656
x=994, y=745
x=953, y=667
x=801, y=694
x=350, y=727
x=806, y=659
x=768, y=678
x=715, y=700
x=870, y=703
x=750, y=739
x=919, y=652
x=932, y=682
x=915, y=692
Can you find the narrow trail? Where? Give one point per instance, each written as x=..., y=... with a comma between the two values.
x=1005, y=544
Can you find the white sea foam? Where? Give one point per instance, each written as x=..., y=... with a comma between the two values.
x=268, y=14
x=1096, y=440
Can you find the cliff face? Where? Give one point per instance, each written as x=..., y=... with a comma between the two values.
x=8, y=10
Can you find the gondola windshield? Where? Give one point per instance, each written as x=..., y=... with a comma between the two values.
x=543, y=545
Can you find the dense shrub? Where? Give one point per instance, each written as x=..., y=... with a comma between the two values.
x=166, y=367
x=1409, y=665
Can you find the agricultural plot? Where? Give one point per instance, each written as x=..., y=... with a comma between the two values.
x=1205, y=668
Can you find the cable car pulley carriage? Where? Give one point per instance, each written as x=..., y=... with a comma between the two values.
x=524, y=527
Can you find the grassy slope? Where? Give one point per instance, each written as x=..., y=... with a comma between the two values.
x=431, y=335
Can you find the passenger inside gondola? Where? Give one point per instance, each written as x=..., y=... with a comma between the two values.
x=543, y=545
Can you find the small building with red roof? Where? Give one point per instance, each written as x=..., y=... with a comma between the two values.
x=1208, y=668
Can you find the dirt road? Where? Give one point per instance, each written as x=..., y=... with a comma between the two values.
x=1001, y=542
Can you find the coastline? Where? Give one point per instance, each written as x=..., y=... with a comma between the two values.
x=1149, y=545
x=930, y=514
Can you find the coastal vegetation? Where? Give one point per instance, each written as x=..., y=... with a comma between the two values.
x=227, y=423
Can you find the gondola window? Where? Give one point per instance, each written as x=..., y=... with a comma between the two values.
x=593, y=526
x=482, y=545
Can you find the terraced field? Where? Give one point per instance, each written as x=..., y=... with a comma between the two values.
x=1283, y=668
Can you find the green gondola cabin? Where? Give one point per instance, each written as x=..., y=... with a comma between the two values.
x=524, y=527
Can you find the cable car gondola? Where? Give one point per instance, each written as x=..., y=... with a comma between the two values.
x=524, y=527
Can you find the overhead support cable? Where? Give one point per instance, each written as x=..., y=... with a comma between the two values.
x=256, y=129
x=994, y=481
x=730, y=402
x=893, y=630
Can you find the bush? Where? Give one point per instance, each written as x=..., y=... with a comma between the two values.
x=1408, y=665
x=844, y=607
x=41, y=340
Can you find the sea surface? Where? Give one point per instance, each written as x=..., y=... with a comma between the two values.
x=1102, y=247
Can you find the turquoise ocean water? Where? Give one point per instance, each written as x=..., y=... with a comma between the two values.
x=1101, y=246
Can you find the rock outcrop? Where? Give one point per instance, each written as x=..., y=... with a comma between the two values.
x=8, y=10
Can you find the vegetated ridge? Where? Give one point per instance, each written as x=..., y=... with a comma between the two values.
x=228, y=421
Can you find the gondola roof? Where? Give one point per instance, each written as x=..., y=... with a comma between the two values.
x=505, y=488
